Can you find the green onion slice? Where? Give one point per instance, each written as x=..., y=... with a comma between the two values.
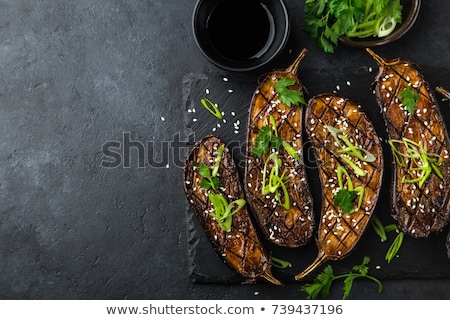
x=424, y=163
x=211, y=107
x=224, y=211
x=275, y=181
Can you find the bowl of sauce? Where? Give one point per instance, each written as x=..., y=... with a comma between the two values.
x=238, y=35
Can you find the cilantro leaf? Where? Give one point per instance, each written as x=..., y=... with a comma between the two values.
x=321, y=285
x=209, y=181
x=409, y=98
x=286, y=95
x=265, y=141
x=344, y=199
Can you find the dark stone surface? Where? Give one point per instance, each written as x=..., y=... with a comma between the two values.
x=77, y=74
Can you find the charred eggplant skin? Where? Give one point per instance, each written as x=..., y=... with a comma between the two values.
x=240, y=248
x=339, y=231
x=420, y=209
x=292, y=227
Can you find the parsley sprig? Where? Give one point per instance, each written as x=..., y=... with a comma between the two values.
x=210, y=177
x=268, y=139
x=409, y=98
x=286, y=95
x=321, y=285
x=346, y=196
x=327, y=20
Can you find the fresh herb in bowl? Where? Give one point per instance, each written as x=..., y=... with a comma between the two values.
x=328, y=20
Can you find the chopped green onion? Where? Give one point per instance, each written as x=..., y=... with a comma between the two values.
x=218, y=159
x=275, y=181
x=280, y=264
x=224, y=211
x=386, y=27
x=358, y=171
x=211, y=107
x=395, y=247
x=378, y=227
x=425, y=163
x=289, y=149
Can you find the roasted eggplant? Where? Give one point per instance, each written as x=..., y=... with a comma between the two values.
x=420, y=145
x=349, y=156
x=275, y=177
x=215, y=194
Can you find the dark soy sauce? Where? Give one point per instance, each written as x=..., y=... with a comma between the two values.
x=241, y=29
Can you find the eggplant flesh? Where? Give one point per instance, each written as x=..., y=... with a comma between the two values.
x=293, y=226
x=240, y=248
x=420, y=208
x=328, y=116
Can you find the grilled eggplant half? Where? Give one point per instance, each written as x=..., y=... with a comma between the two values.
x=275, y=178
x=420, y=145
x=215, y=194
x=349, y=156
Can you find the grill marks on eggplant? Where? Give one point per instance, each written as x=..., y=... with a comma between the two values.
x=240, y=248
x=291, y=227
x=339, y=232
x=426, y=209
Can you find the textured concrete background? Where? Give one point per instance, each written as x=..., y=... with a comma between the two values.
x=77, y=74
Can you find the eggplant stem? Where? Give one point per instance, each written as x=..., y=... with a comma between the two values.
x=321, y=258
x=444, y=92
x=380, y=61
x=269, y=277
x=292, y=69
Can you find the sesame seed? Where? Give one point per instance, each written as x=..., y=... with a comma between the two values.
x=163, y=119
x=225, y=79
x=207, y=91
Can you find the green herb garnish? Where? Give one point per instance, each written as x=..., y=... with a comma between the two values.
x=208, y=181
x=327, y=20
x=409, y=98
x=288, y=96
x=268, y=139
x=280, y=264
x=275, y=181
x=211, y=107
x=322, y=283
x=210, y=177
x=424, y=163
x=345, y=197
x=224, y=211
x=382, y=230
x=348, y=148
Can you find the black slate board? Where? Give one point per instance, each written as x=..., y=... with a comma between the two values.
x=417, y=259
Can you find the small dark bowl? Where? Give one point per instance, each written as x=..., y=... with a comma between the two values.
x=411, y=10
x=277, y=10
